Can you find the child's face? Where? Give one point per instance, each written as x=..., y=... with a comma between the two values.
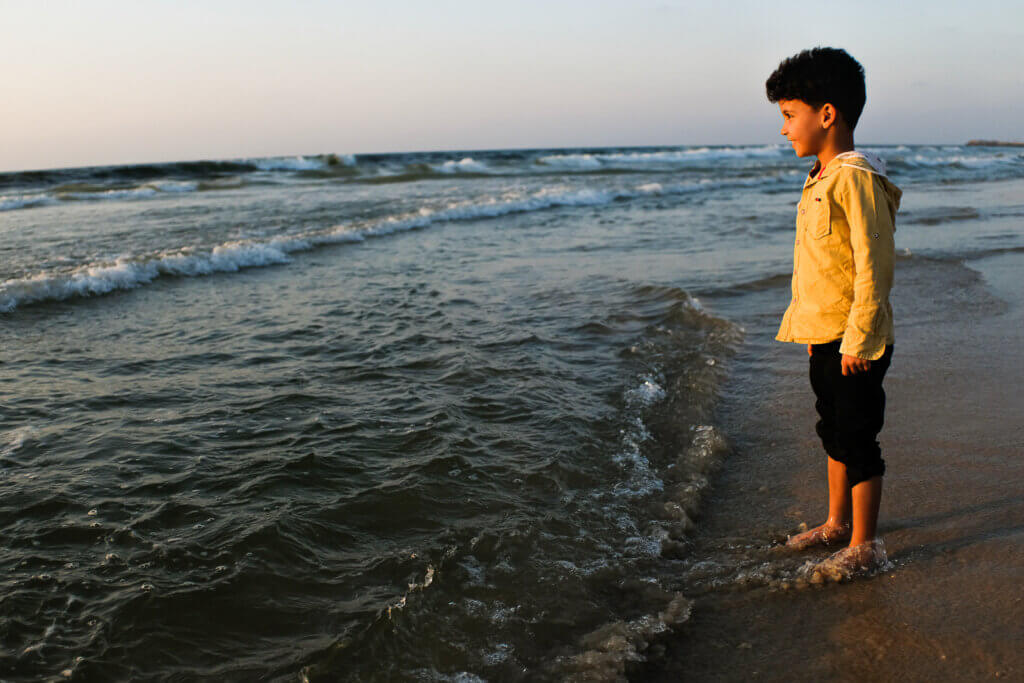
x=802, y=125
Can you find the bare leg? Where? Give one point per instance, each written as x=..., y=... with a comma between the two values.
x=839, y=499
x=867, y=495
x=840, y=504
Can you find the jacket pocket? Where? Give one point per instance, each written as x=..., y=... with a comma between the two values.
x=821, y=221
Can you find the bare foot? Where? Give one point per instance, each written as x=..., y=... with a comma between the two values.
x=826, y=534
x=849, y=562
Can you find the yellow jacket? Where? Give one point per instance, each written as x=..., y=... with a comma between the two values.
x=843, y=257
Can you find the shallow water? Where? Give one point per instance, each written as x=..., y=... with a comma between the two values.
x=397, y=416
x=952, y=514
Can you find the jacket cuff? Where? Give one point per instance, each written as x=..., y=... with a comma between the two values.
x=869, y=347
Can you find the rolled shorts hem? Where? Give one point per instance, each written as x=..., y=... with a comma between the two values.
x=851, y=410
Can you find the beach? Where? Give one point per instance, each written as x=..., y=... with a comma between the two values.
x=488, y=415
x=952, y=515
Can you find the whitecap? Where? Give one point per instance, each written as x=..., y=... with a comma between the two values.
x=296, y=163
x=14, y=439
x=25, y=201
x=175, y=185
x=580, y=162
x=683, y=156
x=465, y=165
x=129, y=193
x=647, y=392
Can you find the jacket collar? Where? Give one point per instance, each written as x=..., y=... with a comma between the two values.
x=830, y=168
x=856, y=158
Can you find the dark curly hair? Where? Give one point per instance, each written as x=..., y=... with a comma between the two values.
x=820, y=75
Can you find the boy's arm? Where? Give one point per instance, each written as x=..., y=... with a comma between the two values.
x=873, y=243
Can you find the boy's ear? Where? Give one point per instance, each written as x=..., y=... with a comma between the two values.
x=828, y=115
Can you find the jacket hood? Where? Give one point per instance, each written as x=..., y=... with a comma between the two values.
x=869, y=161
x=872, y=163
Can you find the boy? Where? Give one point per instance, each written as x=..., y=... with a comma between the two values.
x=842, y=274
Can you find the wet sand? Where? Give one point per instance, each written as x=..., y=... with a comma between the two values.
x=952, y=513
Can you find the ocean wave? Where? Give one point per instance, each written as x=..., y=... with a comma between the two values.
x=594, y=161
x=28, y=189
x=175, y=185
x=639, y=478
x=14, y=439
x=107, y=176
x=128, y=272
x=144, y=180
x=465, y=165
x=647, y=392
x=296, y=163
x=127, y=193
x=314, y=162
x=428, y=578
x=547, y=198
x=92, y=192
x=211, y=177
x=132, y=271
x=606, y=651
x=14, y=202
x=962, y=160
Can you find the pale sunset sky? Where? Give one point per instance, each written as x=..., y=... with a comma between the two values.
x=110, y=81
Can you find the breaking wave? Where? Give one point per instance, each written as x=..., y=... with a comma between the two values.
x=33, y=189
x=594, y=161
x=131, y=271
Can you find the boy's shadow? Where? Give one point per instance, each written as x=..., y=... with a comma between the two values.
x=985, y=530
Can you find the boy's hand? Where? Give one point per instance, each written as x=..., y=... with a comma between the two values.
x=852, y=365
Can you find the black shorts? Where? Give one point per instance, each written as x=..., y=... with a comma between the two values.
x=851, y=410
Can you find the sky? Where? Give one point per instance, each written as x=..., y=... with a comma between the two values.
x=110, y=82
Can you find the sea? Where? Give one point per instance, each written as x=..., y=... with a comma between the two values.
x=428, y=416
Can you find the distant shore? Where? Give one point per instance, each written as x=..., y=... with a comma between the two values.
x=993, y=143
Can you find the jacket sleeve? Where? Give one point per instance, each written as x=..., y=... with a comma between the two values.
x=872, y=242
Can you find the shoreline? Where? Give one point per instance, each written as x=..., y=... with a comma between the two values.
x=952, y=512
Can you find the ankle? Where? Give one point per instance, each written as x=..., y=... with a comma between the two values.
x=863, y=540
